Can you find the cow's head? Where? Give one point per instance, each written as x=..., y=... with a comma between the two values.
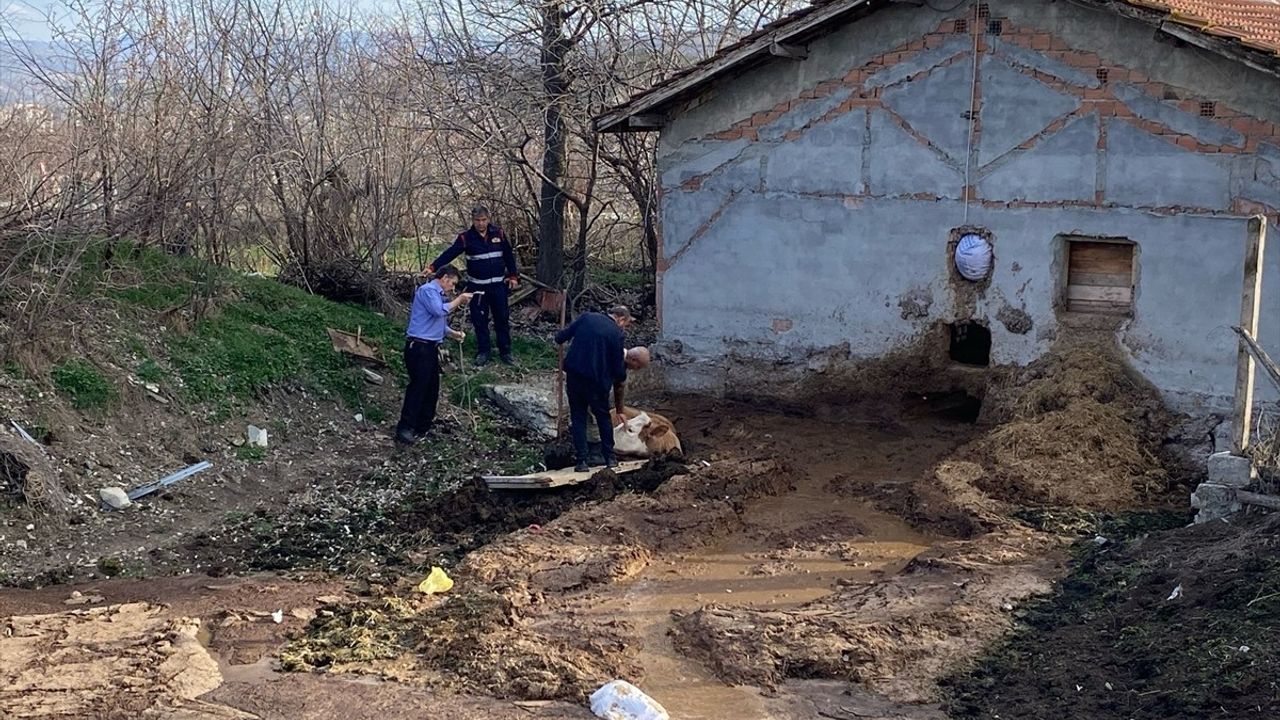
x=626, y=436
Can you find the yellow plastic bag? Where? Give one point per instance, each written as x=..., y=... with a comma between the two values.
x=437, y=581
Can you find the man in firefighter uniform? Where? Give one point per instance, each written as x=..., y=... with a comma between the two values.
x=491, y=274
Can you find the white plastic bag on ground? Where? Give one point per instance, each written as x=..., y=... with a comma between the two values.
x=973, y=258
x=620, y=700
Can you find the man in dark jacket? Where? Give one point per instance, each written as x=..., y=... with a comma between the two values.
x=491, y=274
x=596, y=362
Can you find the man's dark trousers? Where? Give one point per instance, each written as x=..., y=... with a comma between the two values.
x=586, y=396
x=493, y=303
x=422, y=359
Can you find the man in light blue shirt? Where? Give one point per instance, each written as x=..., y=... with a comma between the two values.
x=428, y=327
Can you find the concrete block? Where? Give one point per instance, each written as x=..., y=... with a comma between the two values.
x=1149, y=108
x=803, y=114
x=1148, y=171
x=827, y=159
x=698, y=157
x=935, y=106
x=1061, y=167
x=1047, y=65
x=1231, y=470
x=1015, y=107
x=896, y=73
x=900, y=165
x=1214, y=502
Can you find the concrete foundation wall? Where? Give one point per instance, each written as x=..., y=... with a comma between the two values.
x=808, y=205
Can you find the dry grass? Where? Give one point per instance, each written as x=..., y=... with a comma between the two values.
x=1265, y=451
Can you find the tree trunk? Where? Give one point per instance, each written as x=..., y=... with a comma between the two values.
x=551, y=202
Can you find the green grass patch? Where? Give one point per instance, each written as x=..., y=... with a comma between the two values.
x=150, y=371
x=249, y=333
x=251, y=452
x=83, y=384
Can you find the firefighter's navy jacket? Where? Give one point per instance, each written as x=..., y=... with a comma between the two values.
x=489, y=257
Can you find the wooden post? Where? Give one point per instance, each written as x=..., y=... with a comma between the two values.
x=1250, y=304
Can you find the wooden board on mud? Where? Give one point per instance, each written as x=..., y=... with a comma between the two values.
x=554, y=478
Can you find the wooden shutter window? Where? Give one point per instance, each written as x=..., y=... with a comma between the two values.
x=1100, y=277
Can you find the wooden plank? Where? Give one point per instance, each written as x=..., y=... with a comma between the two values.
x=1100, y=279
x=1250, y=307
x=1101, y=257
x=1257, y=499
x=555, y=478
x=1260, y=356
x=1098, y=308
x=1121, y=296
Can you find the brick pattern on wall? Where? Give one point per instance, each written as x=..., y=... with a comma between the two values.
x=1099, y=95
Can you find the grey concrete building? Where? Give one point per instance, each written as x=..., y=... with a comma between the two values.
x=817, y=175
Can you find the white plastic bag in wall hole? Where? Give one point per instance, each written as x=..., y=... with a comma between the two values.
x=620, y=700
x=973, y=258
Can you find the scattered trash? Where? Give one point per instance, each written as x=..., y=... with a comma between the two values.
x=114, y=498
x=1177, y=593
x=1100, y=541
x=728, y=590
x=1244, y=648
x=620, y=700
x=277, y=617
x=144, y=490
x=25, y=435
x=359, y=417
x=437, y=581
x=1079, y=688
x=372, y=377
x=256, y=436
x=78, y=598
x=706, y=464
x=1108, y=686
x=30, y=527
x=22, y=544
x=1007, y=607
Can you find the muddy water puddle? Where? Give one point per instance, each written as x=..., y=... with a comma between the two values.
x=794, y=549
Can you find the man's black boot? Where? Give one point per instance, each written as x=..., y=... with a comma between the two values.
x=482, y=359
x=581, y=467
x=595, y=454
x=406, y=437
x=507, y=359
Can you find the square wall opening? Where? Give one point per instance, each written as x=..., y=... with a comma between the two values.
x=1100, y=275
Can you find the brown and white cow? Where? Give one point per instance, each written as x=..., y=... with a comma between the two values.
x=645, y=434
